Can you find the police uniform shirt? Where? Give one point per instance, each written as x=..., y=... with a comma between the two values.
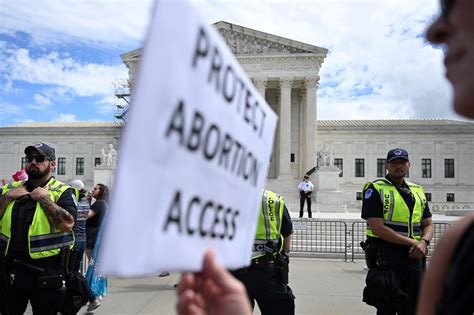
x=305, y=186
x=22, y=217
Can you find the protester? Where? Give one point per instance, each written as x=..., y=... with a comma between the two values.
x=212, y=291
x=96, y=215
x=399, y=231
x=96, y=281
x=305, y=187
x=37, y=218
x=447, y=286
x=80, y=225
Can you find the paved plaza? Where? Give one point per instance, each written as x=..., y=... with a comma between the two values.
x=321, y=286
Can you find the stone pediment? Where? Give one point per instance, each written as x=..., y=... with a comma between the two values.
x=242, y=40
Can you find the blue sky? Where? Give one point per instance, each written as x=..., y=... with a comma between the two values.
x=59, y=59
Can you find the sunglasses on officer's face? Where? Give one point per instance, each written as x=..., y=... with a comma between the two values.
x=38, y=158
x=446, y=6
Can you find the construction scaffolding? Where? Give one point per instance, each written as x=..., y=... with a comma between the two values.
x=122, y=98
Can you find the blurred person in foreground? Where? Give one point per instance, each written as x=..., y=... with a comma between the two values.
x=212, y=291
x=448, y=286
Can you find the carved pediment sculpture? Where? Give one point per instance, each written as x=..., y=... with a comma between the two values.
x=241, y=43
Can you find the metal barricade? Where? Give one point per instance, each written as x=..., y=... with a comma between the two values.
x=439, y=229
x=359, y=235
x=319, y=238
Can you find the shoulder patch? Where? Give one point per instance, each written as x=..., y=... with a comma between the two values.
x=368, y=193
x=366, y=186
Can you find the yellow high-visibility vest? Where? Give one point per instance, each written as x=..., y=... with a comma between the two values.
x=269, y=223
x=396, y=214
x=44, y=239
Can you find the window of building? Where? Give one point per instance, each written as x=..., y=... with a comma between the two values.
x=23, y=162
x=80, y=166
x=292, y=157
x=450, y=197
x=359, y=168
x=97, y=161
x=359, y=195
x=338, y=163
x=62, y=166
x=428, y=196
x=448, y=168
x=381, y=167
x=426, y=168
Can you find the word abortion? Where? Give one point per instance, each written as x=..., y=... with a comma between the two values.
x=227, y=83
x=214, y=144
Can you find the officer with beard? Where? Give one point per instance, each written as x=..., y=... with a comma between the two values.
x=36, y=221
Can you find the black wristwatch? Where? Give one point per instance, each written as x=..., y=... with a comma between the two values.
x=426, y=241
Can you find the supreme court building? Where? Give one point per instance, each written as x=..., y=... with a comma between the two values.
x=286, y=72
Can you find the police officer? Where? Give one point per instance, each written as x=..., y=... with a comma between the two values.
x=36, y=220
x=266, y=280
x=400, y=228
x=305, y=187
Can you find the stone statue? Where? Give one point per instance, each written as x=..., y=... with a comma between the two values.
x=104, y=157
x=109, y=156
x=326, y=156
x=112, y=156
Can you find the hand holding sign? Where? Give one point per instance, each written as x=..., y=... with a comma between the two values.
x=212, y=291
x=194, y=154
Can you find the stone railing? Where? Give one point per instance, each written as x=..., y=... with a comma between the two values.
x=449, y=208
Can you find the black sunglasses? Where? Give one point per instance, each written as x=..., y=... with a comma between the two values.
x=38, y=158
x=446, y=6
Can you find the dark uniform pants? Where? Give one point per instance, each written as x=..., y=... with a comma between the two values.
x=263, y=285
x=305, y=197
x=23, y=287
x=408, y=272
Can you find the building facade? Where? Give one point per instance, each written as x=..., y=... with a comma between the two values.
x=441, y=155
x=286, y=73
x=79, y=147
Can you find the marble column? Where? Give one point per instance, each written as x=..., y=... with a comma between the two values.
x=261, y=85
x=302, y=127
x=311, y=84
x=284, y=166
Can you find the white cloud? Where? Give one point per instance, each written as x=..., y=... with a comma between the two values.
x=42, y=100
x=378, y=66
x=84, y=79
x=65, y=118
x=7, y=109
x=109, y=22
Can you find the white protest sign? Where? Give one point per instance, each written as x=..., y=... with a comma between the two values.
x=194, y=154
